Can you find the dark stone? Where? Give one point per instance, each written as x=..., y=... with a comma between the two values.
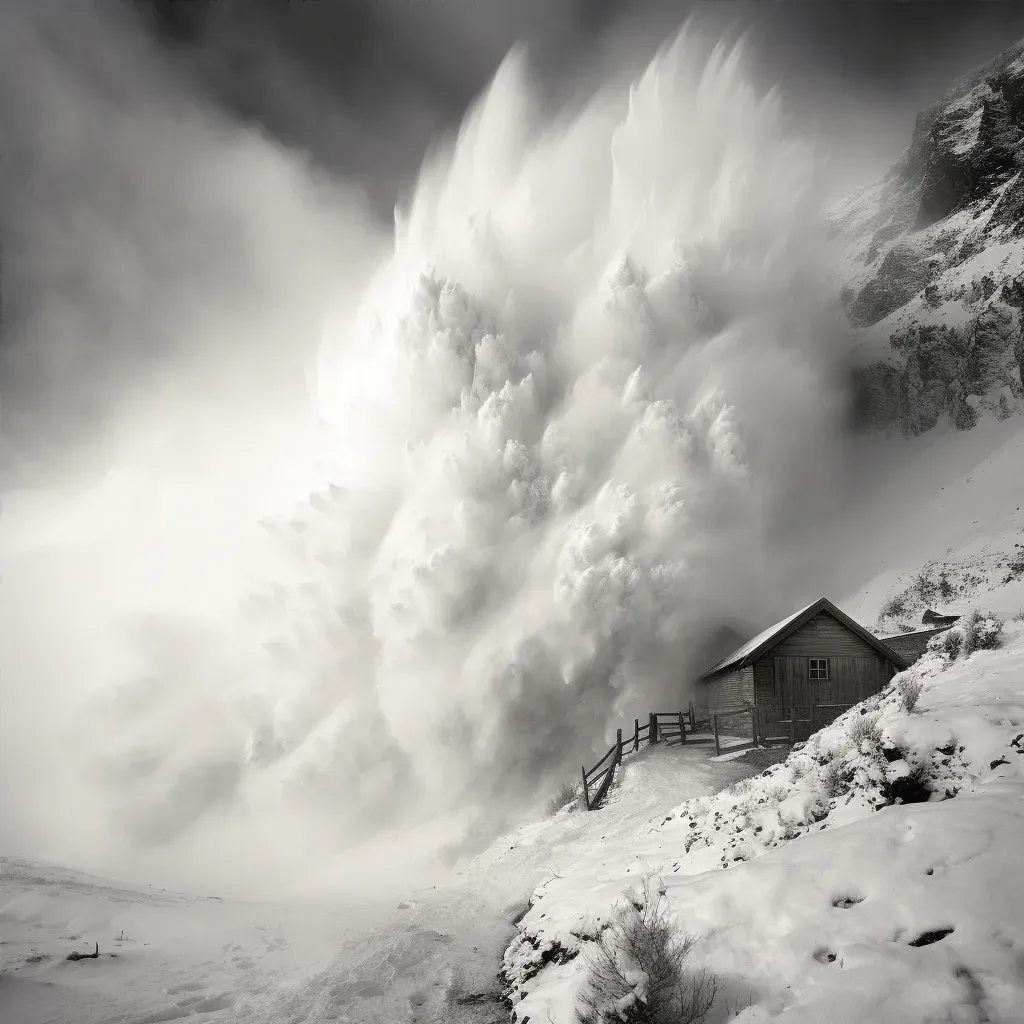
x=927, y=938
x=906, y=790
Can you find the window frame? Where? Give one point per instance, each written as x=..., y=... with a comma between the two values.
x=815, y=668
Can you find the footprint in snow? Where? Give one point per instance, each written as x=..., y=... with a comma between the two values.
x=187, y=1007
x=185, y=986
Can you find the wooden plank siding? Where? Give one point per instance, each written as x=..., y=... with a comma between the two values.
x=850, y=681
x=731, y=690
x=824, y=637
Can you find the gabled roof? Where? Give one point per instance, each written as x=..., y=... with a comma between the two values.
x=765, y=641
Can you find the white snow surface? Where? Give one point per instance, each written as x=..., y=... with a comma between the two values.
x=806, y=906
x=179, y=956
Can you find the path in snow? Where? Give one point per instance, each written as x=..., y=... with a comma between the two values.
x=431, y=957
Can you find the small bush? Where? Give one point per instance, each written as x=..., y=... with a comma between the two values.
x=1019, y=617
x=947, y=644
x=982, y=632
x=635, y=974
x=976, y=631
x=909, y=690
x=893, y=607
x=863, y=727
x=568, y=795
x=832, y=778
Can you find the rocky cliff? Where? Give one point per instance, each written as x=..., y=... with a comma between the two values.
x=935, y=281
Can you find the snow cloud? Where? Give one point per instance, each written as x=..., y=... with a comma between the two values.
x=573, y=421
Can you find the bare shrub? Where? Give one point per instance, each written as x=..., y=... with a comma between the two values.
x=832, y=778
x=568, y=795
x=982, y=632
x=948, y=644
x=863, y=727
x=909, y=690
x=894, y=607
x=635, y=974
x=976, y=631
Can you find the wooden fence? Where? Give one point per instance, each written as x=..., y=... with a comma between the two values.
x=661, y=726
x=768, y=723
x=730, y=716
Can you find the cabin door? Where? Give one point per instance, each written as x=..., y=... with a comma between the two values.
x=792, y=682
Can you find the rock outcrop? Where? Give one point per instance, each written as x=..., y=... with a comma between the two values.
x=935, y=280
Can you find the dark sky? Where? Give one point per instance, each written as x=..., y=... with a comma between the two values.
x=364, y=85
x=101, y=156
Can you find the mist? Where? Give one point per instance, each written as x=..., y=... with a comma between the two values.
x=334, y=545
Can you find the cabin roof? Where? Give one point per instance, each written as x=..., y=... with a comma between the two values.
x=766, y=640
x=917, y=632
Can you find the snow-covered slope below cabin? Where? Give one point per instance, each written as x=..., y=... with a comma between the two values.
x=813, y=892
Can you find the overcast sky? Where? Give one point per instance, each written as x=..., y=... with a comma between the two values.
x=120, y=125
x=364, y=85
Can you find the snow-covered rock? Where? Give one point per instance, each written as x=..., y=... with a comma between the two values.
x=935, y=275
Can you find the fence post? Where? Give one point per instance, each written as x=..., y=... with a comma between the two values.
x=618, y=746
x=693, y=720
x=682, y=729
x=652, y=728
x=718, y=746
x=792, y=726
x=586, y=790
x=636, y=734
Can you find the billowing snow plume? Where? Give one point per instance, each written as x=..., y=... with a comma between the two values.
x=576, y=425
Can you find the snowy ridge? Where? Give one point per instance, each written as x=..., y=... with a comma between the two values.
x=813, y=891
x=932, y=283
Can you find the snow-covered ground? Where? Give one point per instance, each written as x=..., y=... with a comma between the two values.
x=949, y=500
x=423, y=958
x=813, y=897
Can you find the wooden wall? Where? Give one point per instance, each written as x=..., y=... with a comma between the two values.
x=730, y=690
x=824, y=637
x=850, y=681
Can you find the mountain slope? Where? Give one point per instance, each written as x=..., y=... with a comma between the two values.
x=935, y=279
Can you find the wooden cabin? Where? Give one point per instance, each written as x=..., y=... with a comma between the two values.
x=817, y=657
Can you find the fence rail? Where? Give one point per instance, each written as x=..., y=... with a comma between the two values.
x=661, y=726
x=768, y=723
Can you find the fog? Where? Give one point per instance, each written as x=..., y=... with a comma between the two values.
x=332, y=546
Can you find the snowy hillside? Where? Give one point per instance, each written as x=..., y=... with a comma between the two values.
x=945, y=531
x=871, y=877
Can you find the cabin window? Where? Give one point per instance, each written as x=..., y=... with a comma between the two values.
x=819, y=668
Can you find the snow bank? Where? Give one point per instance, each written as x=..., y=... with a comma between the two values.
x=870, y=877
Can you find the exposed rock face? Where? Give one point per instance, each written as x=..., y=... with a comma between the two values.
x=936, y=273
